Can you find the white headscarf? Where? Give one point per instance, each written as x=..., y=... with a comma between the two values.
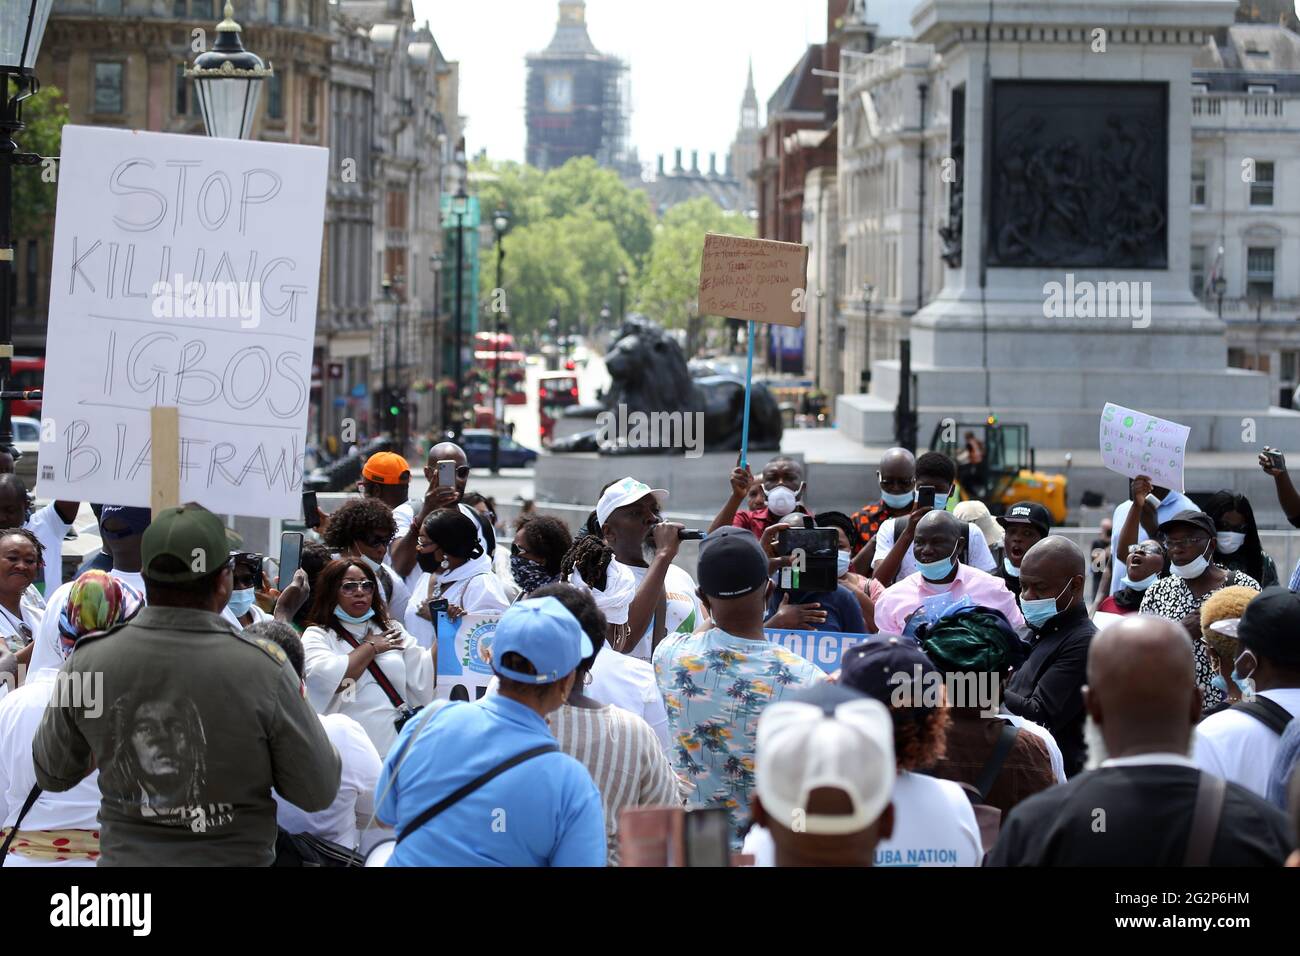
x=620, y=589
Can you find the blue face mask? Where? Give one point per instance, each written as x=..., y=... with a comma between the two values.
x=343, y=615
x=937, y=570
x=842, y=560
x=1010, y=568
x=240, y=601
x=940, y=502
x=1037, y=613
x=1221, y=685
x=1140, y=585
x=897, y=501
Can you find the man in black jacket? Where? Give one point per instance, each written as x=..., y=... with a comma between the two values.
x=1147, y=805
x=1046, y=689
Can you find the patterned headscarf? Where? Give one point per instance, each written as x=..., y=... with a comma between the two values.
x=96, y=602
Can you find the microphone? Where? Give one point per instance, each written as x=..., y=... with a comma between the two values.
x=688, y=534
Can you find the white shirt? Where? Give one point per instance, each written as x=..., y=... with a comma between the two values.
x=1043, y=734
x=683, y=611
x=46, y=653
x=401, y=593
x=979, y=555
x=478, y=593
x=409, y=670
x=75, y=809
x=49, y=529
x=403, y=517
x=1174, y=502
x=1237, y=747
x=30, y=613
x=629, y=683
x=934, y=825
x=258, y=616
x=351, y=810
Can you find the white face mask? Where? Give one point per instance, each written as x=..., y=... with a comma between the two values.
x=781, y=501
x=1193, y=569
x=1230, y=542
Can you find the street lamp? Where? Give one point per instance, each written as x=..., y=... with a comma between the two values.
x=868, y=293
x=383, y=312
x=1220, y=285
x=22, y=27
x=605, y=315
x=622, y=292
x=554, y=326
x=227, y=82
x=500, y=225
x=397, y=400
x=460, y=209
x=438, y=401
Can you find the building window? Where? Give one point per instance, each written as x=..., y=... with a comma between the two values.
x=1198, y=270
x=108, y=6
x=108, y=87
x=1288, y=369
x=395, y=216
x=1198, y=182
x=1261, y=190
x=275, y=97
x=1259, y=273
x=32, y=272
x=275, y=11
x=180, y=9
x=182, y=91
x=1261, y=89
x=313, y=92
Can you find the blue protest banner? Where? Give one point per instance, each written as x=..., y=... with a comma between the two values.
x=823, y=648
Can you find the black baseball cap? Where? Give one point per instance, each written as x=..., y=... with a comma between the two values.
x=731, y=564
x=1028, y=512
x=1198, y=519
x=873, y=667
x=1270, y=625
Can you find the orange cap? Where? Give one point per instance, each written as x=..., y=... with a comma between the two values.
x=386, y=468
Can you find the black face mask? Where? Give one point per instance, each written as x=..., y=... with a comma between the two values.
x=428, y=562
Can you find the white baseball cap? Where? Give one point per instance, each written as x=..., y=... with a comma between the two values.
x=802, y=747
x=625, y=491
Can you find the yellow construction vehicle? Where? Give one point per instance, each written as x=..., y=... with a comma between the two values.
x=998, y=467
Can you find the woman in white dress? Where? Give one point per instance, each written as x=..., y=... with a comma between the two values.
x=456, y=570
x=359, y=661
x=20, y=612
x=362, y=528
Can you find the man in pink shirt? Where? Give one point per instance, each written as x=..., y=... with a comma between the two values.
x=941, y=581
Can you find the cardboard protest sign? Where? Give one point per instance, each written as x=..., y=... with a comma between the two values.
x=1134, y=443
x=823, y=648
x=758, y=279
x=464, y=670
x=185, y=274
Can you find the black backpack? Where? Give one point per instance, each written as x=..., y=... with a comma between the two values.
x=1268, y=712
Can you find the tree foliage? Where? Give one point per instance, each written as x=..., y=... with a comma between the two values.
x=672, y=278
x=35, y=189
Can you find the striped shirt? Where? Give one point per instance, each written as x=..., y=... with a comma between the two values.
x=624, y=758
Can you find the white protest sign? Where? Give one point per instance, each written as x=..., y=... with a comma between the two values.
x=1134, y=443
x=185, y=273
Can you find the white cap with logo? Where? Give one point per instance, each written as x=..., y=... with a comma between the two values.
x=625, y=491
x=802, y=747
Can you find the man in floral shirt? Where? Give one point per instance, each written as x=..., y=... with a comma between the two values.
x=715, y=683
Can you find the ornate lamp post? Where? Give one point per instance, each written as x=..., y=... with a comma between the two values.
x=460, y=209
x=622, y=294
x=228, y=82
x=868, y=293
x=437, y=407
x=500, y=225
x=22, y=27
x=384, y=314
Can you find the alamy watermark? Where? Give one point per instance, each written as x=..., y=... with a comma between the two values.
x=80, y=690
x=637, y=429
x=208, y=300
x=1098, y=300
x=964, y=690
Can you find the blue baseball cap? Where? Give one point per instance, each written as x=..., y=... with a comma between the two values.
x=544, y=633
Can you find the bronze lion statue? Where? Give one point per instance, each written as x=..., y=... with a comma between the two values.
x=650, y=377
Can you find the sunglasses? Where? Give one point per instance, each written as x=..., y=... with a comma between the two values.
x=1145, y=549
x=1198, y=542
x=356, y=587
x=376, y=541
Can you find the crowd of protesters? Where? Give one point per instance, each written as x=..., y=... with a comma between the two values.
x=169, y=706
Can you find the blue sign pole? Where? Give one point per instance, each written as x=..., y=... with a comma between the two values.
x=749, y=385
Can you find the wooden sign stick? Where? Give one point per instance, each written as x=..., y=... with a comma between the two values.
x=164, y=457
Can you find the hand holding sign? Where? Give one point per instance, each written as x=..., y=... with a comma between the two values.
x=1134, y=443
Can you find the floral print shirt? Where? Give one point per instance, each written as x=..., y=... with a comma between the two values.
x=714, y=686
